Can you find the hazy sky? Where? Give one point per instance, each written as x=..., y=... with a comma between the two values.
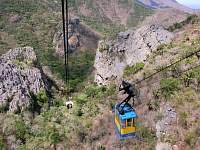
x=191, y=3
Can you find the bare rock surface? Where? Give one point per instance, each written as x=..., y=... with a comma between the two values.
x=80, y=36
x=163, y=146
x=169, y=117
x=130, y=48
x=18, y=79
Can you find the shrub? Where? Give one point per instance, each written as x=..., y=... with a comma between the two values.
x=153, y=105
x=183, y=119
x=103, y=46
x=2, y=144
x=133, y=69
x=187, y=78
x=169, y=86
x=54, y=135
x=190, y=19
x=9, y=124
x=147, y=135
x=21, y=130
x=95, y=91
x=42, y=97
x=191, y=138
x=157, y=94
x=58, y=102
x=176, y=70
x=81, y=99
x=90, y=109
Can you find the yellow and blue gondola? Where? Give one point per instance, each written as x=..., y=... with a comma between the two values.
x=125, y=120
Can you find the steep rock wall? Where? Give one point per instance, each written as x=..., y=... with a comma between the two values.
x=130, y=48
x=18, y=79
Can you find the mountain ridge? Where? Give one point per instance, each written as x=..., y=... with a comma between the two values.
x=160, y=4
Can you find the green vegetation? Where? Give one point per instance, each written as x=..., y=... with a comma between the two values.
x=22, y=7
x=169, y=86
x=183, y=119
x=133, y=69
x=59, y=125
x=21, y=130
x=2, y=144
x=190, y=19
x=93, y=95
x=108, y=29
x=72, y=3
x=140, y=12
x=103, y=46
x=154, y=105
x=191, y=138
x=148, y=135
x=184, y=96
x=103, y=24
x=80, y=66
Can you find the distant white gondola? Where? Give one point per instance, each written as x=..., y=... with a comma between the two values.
x=69, y=104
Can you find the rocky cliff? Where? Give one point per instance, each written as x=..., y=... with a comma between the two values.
x=81, y=37
x=18, y=79
x=130, y=48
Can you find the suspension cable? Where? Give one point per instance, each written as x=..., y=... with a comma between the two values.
x=67, y=55
x=182, y=72
x=65, y=38
x=181, y=59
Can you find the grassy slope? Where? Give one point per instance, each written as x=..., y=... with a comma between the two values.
x=104, y=25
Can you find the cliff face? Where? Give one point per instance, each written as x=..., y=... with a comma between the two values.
x=130, y=48
x=18, y=79
x=81, y=37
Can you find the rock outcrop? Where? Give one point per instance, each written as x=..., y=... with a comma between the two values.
x=80, y=37
x=18, y=79
x=168, y=119
x=130, y=48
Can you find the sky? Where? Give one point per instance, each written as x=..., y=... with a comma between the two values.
x=195, y=4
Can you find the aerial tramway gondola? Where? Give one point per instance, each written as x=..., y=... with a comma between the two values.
x=125, y=114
